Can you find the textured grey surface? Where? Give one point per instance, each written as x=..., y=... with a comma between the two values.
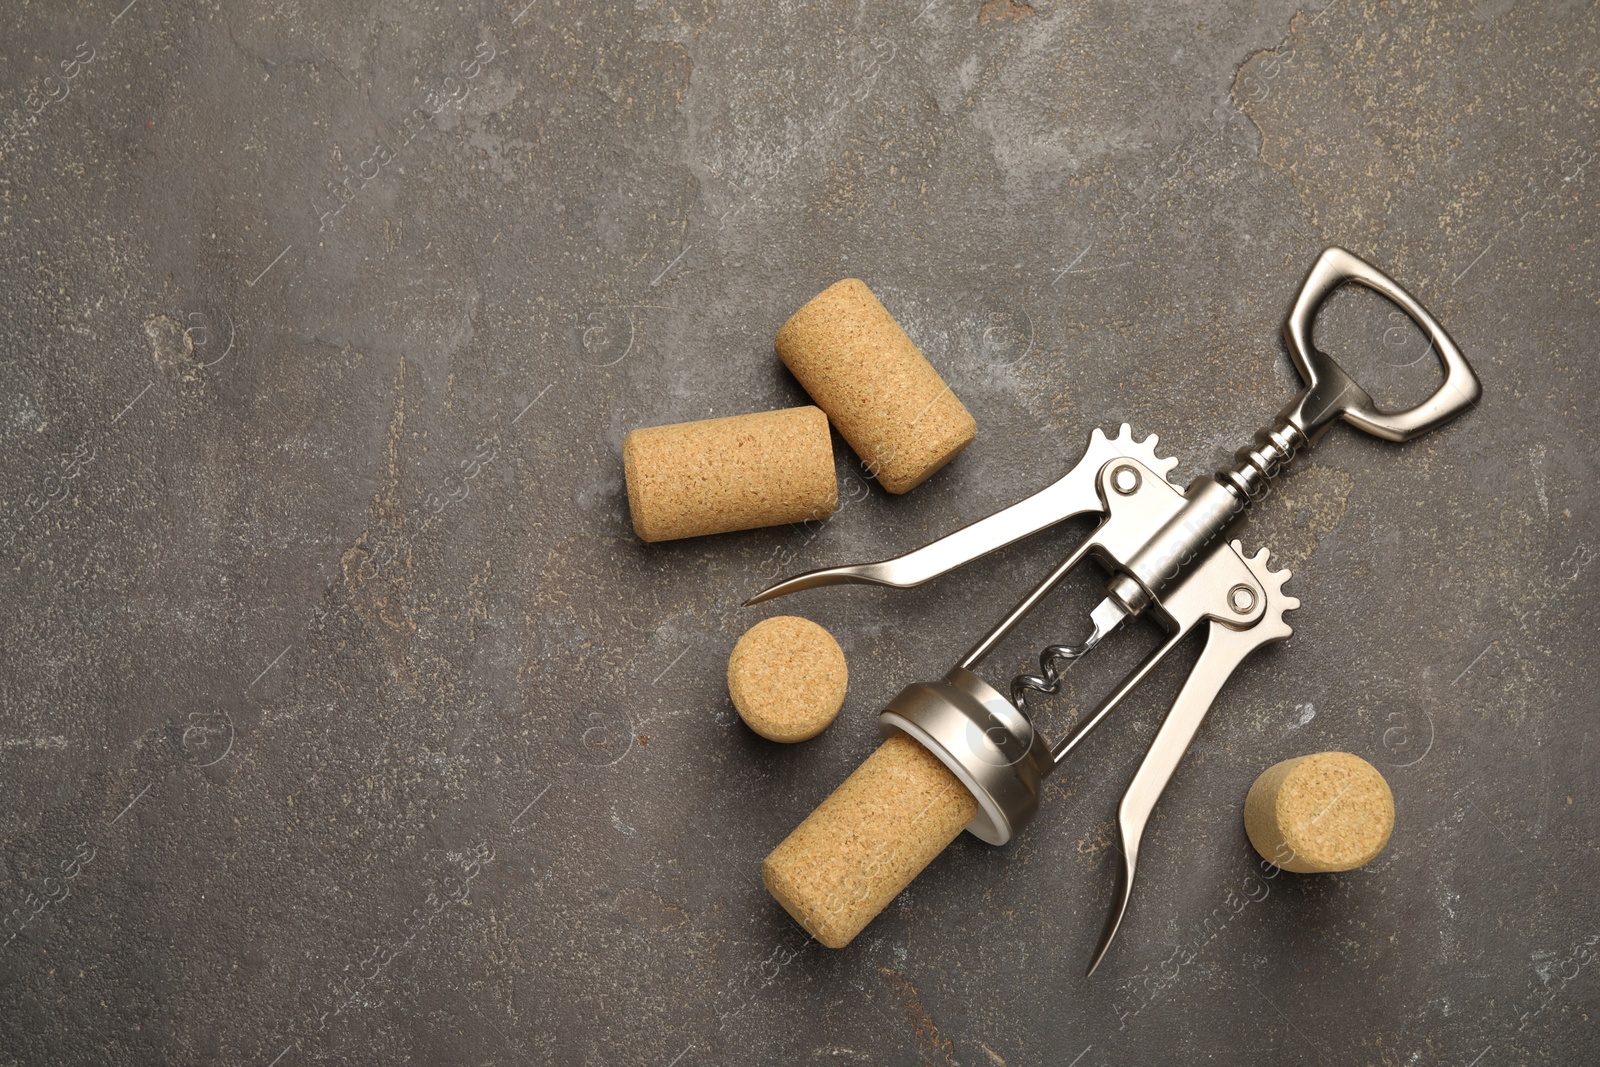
x=344, y=720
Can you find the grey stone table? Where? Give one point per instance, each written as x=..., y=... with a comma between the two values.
x=343, y=719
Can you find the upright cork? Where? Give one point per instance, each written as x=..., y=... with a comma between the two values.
x=1326, y=812
x=865, y=843
x=882, y=394
x=787, y=677
x=720, y=475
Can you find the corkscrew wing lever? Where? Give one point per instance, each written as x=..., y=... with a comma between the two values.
x=1072, y=494
x=1224, y=650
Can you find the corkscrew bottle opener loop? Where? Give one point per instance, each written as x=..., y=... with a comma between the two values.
x=1168, y=554
x=1330, y=393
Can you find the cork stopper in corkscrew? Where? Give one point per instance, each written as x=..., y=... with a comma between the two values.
x=868, y=840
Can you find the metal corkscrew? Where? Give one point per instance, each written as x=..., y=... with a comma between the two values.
x=1169, y=556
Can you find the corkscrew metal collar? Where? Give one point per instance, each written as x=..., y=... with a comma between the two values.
x=1168, y=553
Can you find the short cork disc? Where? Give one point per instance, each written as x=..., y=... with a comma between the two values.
x=787, y=677
x=1331, y=811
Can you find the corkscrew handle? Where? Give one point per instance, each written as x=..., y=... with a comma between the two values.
x=1331, y=393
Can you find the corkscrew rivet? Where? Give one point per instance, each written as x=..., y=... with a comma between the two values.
x=1242, y=599
x=1125, y=480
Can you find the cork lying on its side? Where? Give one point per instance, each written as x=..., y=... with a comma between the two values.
x=720, y=475
x=787, y=678
x=1327, y=812
x=867, y=841
x=884, y=397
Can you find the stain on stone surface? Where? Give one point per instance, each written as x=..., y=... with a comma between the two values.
x=1098, y=839
x=935, y=1048
x=377, y=567
x=1347, y=109
x=172, y=348
x=1005, y=11
x=168, y=345
x=1292, y=525
x=1329, y=149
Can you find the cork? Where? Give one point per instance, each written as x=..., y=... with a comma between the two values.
x=884, y=397
x=720, y=475
x=1326, y=812
x=787, y=678
x=865, y=843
